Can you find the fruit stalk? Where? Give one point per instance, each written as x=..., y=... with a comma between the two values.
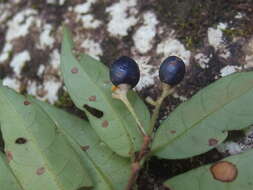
x=121, y=94
x=166, y=91
x=125, y=74
x=136, y=165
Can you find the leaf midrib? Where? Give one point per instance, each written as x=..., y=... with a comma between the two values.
x=104, y=97
x=77, y=144
x=199, y=121
x=35, y=144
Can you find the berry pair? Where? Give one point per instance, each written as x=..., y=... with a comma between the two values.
x=126, y=71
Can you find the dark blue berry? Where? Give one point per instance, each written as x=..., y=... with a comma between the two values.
x=124, y=71
x=172, y=70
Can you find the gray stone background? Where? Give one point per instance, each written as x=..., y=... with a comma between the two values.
x=214, y=38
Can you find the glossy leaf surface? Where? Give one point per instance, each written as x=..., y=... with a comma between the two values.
x=39, y=155
x=108, y=170
x=202, y=122
x=89, y=86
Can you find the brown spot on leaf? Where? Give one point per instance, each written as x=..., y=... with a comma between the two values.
x=9, y=156
x=74, y=70
x=172, y=131
x=212, y=142
x=92, y=98
x=40, y=171
x=105, y=124
x=20, y=140
x=224, y=171
x=84, y=148
x=26, y=102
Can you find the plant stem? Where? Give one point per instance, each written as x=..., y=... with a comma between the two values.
x=150, y=101
x=137, y=163
x=166, y=90
x=121, y=94
x=130, y=108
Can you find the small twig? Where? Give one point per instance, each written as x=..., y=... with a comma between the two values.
x=134, y=174
x=166, y=91
x=136, y=165
x=150, y=101
x=121, y=94
x=141, y=156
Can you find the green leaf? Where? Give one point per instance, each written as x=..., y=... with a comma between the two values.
x=201, y=123
x=108, y=170
x=218, y=176
x=88, y=84
x=39, y=155
x=8, y=180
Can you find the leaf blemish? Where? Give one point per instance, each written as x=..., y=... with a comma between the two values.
x=40, y=171
x=20, y=140
x=93, y=111
x=172, y=131
x=92, y=98
x=84, y=148
x=74, y=70
x=224, y=171
x=105, y=124
x=9, y=156
x=26, y=103
x=212, y=142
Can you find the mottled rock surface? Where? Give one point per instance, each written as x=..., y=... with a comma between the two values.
x=214, y=39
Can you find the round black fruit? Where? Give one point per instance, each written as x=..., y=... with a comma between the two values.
x=124, y=71
x=172, y=70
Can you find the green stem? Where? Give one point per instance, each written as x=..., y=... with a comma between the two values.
x=142, y=155
x=130, y=108
x=121, y=94
x=166, y=91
